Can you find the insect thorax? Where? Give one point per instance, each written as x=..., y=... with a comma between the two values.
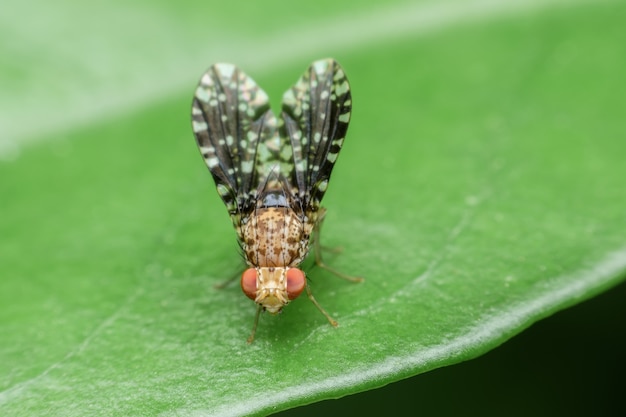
x=275, y=236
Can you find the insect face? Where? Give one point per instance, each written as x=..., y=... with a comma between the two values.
x=273, y=288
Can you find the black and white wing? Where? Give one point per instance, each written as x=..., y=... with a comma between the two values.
x=231, y=117
x=315, y=117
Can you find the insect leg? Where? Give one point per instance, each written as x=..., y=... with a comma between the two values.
x=227, y=282
x=332, y=321
x=317, y=248
x=256, y=322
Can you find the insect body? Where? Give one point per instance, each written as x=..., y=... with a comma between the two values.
x=273, y=174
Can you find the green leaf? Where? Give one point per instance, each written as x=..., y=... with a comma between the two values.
x=480, y=189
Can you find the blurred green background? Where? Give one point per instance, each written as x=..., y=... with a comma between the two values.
x=480, y=190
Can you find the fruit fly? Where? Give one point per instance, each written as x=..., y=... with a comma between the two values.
x=272, y=173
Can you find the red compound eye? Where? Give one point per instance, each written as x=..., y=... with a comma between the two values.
x=296, y=282
x=248, y=283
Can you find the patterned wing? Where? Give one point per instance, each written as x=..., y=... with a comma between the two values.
x=274, y=160
x=231, y=116
x=315, y=117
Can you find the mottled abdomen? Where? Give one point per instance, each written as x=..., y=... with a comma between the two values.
x=275, y=237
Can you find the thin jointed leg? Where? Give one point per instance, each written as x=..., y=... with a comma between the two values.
x=256, y=322
x=317, y=248
x=331, y=320
x=227, y=282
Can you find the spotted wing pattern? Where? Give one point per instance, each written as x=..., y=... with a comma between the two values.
x=231, y=118
x=239, y=140
x=315, y=117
